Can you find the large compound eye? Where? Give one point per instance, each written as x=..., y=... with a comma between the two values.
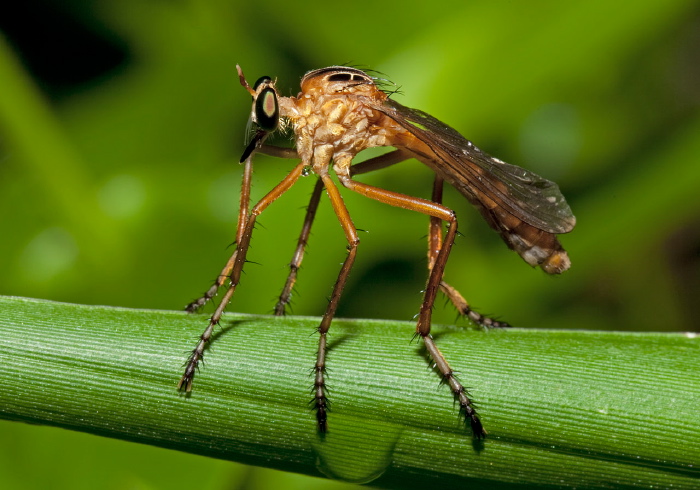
x=267, y=110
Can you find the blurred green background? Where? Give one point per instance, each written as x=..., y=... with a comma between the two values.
x=122, y=121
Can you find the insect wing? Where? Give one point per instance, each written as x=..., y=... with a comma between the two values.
x=529, y=197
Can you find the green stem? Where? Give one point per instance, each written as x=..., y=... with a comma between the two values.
x=563, y=408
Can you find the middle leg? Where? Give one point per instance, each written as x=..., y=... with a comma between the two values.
x=320, y=397
x=376, y=163
x=298, y=256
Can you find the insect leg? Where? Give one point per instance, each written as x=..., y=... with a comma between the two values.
x=278, y=151
x=372, y=164
x=238, y=259
x=435, y=229
x=242, y=220
x=294, y=265
x=285, y=296
x=320, y=398
x=380, y=162
x=434, y=280
x=434, y=245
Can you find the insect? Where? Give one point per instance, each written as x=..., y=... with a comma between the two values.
x=341, y=111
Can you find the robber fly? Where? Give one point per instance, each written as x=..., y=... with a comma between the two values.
x=341, y=111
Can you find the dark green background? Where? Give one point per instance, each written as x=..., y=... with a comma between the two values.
x=122, y=123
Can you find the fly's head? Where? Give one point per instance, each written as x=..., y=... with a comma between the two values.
x=266, y=110
x=265, y=113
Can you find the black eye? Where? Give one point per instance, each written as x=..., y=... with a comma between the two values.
x=260, y=81
x=340, y=77
x=267, y=111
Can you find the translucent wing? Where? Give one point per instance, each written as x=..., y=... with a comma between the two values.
x=480, y=177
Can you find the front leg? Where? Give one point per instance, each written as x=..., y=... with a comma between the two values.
x=243, y=208
x=244, y=204
x=239, y=259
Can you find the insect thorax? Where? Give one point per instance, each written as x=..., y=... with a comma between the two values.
x=332, y=127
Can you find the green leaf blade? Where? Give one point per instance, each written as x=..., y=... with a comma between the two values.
x=563, y=409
